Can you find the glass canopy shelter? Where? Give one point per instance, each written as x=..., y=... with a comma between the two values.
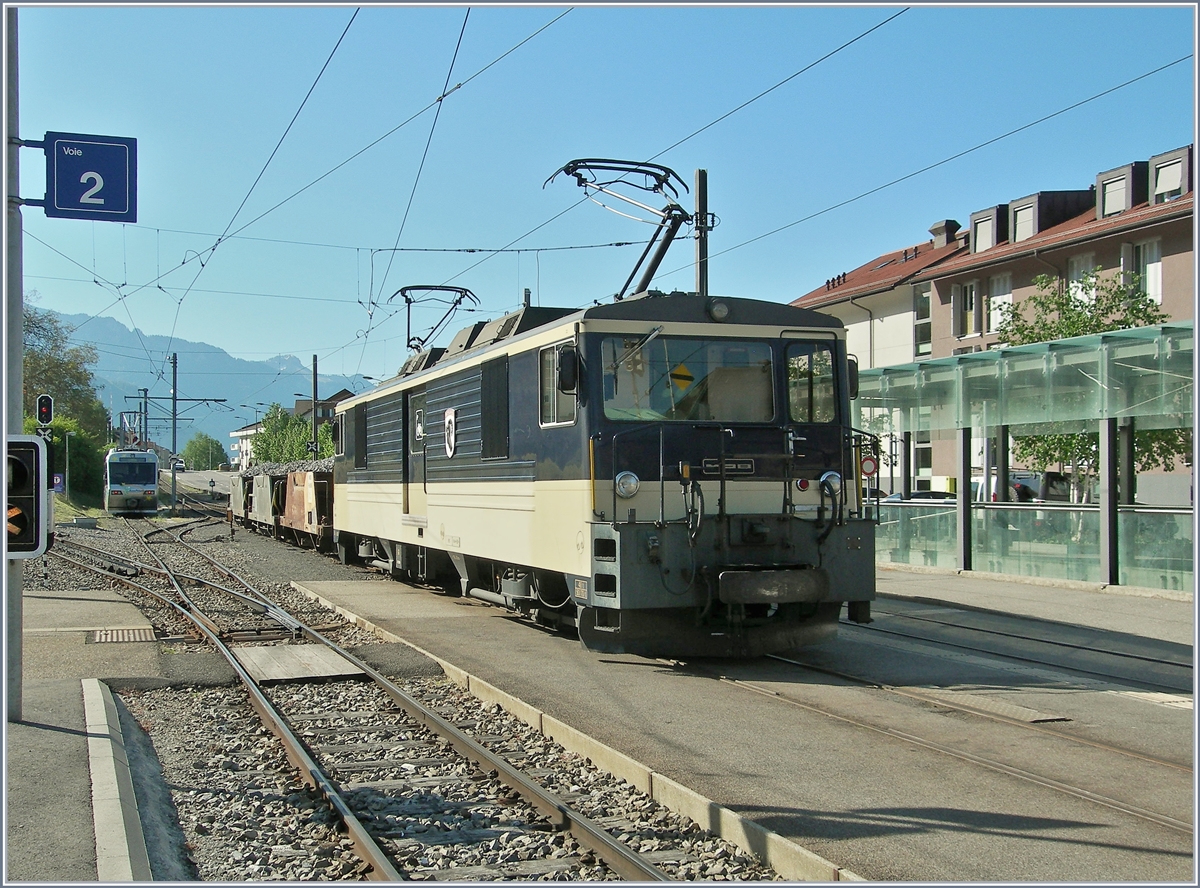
x=1111, y=383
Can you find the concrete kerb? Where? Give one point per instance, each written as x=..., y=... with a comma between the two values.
x=792, y=861
x=1053, y=582
x=120, y=846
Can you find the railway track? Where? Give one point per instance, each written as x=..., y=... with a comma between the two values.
x=1068, y=753
x=417, y=789
x=1167, y=670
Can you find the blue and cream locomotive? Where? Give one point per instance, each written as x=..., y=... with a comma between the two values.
x=673, y=475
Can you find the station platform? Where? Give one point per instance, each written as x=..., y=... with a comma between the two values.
x=71, y=812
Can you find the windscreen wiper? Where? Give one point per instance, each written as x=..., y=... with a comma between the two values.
x=633, y=349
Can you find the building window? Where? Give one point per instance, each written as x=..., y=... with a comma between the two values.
x=922, y=324
x=999, y=296
x=984, y=235
x=966, y=308
x=558, y=408
x=1168, y=181
x=1113, y=196
x=1078, y=267
x=1147, y=259
x=1022, y=223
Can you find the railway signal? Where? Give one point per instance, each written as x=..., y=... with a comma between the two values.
x=28, y=506
x=45, y=410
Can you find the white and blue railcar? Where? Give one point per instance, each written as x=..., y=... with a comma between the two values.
x=131, y=482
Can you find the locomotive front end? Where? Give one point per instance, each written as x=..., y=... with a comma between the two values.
x=727, y=514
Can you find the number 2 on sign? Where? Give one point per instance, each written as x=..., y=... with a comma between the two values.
x=88, y=196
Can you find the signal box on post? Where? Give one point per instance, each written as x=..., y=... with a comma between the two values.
x=28, y=514
x=45, y=410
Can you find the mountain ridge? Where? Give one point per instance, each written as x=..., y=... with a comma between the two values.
x=129, y=360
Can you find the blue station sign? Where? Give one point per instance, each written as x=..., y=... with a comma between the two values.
x=91, y=177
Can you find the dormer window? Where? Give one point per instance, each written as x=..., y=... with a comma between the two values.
x=1023, y=227
x=1121, y=189
x=984, y=235
x=1113, y=197
x=1170, y=175
x=988, y=228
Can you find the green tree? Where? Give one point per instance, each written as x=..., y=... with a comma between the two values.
x=86, y=453
x=1060, y=310
x=284, y=438
x=52, y=365
x=204, y=453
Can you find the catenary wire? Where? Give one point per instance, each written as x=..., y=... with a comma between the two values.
x=941, y=162
x=349, y=159
x=212, y=250
x=372, y=298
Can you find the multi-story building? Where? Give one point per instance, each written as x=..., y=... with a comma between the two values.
x=946, y=296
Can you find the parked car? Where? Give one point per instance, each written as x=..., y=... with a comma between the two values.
x=178, y=463
x=1025, y=486
x=940, y=495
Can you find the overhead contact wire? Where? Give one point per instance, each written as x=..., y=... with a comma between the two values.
x=212, y=250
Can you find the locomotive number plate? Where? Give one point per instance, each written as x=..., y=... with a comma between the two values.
x=732, y=467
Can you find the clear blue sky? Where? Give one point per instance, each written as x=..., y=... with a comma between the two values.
x=208, y=92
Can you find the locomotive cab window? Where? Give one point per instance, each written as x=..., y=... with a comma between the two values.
x=687, y=380
x=811, y=393
x=557, y=407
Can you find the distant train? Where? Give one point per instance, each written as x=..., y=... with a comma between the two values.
x=669, y=475
x=131, y=481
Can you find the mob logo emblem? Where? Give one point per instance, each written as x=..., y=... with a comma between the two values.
x=451, y=432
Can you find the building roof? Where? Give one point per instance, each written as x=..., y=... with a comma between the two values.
x=1077, y=230
x=881, y=274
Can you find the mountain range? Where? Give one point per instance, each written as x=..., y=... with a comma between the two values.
x=129, y=360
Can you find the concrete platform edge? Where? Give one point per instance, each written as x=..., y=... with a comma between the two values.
x=1079, y=585
x=121, y=854
x=791, y=860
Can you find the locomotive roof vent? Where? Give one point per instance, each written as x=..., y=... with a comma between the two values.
x=464, y=339
x=422, y=360
x=513, y=324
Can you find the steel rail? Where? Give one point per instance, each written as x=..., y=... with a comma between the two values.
x=297, y=753
x=1144, y=684
x=616, y=854
x=1046, y=641
x=983, y=713
x=623, y=861
x=258, y=605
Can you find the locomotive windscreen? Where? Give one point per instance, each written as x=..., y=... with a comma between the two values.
x=131, y=472
x=687, y=380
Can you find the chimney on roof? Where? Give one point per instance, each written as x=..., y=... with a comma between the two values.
x=943, y=232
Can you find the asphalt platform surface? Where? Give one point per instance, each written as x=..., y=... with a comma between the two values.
x=63, y=767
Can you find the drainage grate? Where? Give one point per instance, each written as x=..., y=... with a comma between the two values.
x=102, y=635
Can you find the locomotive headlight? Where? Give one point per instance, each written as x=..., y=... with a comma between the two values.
x=627, y=484
x=834, y=480
x=718, y=310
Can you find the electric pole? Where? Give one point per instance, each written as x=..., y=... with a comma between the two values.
x=701, y=223
x=15, y=346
